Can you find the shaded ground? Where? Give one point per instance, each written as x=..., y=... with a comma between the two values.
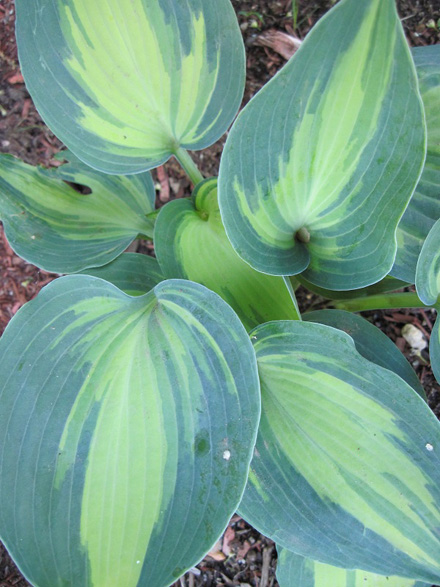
x=243, y=557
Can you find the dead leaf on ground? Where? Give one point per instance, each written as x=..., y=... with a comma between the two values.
x=280, y=42
x=228, y=538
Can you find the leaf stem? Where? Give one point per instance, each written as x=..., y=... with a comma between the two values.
x=188, y=165
x=387, y=301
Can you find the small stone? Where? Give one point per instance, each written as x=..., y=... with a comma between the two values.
x=414, y=337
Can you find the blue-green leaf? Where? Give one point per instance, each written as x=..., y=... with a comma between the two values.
x=428, y=267
x=346, y=468
x=424, y=208
x=53, y=226
x=294, y=570
x=320, y=166
x=133, y=273
x=126, y=83
x=126, y=431
x=370, y=342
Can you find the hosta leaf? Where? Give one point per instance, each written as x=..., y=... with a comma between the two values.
x=127, y=427
x=53, y=226
x=428, y=267
x=295, y=570
x=370, y=342
x=191, y=243
x=346, y=468
x=434, y=349
x=125, y=83
x=133, y=273
x=424, y=207
x=321, y=164
x=386, y=284
x=428, y=288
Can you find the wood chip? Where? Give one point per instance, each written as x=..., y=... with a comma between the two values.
x=267, y=557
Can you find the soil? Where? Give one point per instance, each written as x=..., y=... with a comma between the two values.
x=243, y=557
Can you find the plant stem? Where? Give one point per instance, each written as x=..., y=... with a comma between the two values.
x=390, y=301
x=190, y=168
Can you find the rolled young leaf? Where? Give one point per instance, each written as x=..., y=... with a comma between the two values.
x=133, y=273
x=191, y=243
x=424, y=208
x=127, y=428
x=295, y=570
x=346, y=468
x=52, y=225
x=126, y=83
x=320, y=165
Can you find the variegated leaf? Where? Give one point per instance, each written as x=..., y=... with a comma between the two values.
x=294, y=570
x=346, y=468
x=320, y=166
x=370, y=342
x=428, y=288
x=133, y=273
x=424, y=208
x=127, y=83
x=191, y=243
x=127, y=427
x=52, y=225
x=428, y=267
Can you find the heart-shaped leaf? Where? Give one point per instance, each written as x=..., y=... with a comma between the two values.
x=295, y=570
x=127, y=428
x=319, y=167
x=126, y=83
x=424, y=208
x=346, y=468
x=52, y=225
x=191, y=243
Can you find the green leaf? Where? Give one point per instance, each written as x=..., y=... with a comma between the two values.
x=125, y=83
x=295, y=570
x=428, y=288
x=346, y=468
x=316, y=171
x=133, y=273
x=434, y=349
x=191, y=243
x=127, y=428
x=387, y=284
x=52, y=225
x=370, y=342
x=428, y=267
x=424, y=207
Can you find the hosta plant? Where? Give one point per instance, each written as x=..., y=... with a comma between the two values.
x=144, y=400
